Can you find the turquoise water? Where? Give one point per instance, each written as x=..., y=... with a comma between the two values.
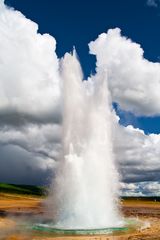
x=43, y=228
x=50, y=228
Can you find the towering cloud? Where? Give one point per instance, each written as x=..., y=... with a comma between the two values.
x=29, y=100
x=29, y=78
x=134, y=82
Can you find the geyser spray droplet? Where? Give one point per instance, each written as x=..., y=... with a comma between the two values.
x=85, y=187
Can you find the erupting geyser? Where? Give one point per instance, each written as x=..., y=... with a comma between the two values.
x=85, y=187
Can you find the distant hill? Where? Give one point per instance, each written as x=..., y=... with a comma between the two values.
x=22, y=189
x=147, y=198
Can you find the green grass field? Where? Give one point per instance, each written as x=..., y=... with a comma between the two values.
x=22, y=189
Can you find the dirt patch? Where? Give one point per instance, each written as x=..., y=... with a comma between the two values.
x=15, y=208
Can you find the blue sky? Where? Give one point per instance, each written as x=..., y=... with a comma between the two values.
x=76, y=23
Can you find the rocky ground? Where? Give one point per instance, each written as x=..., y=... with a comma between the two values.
x=15, y=210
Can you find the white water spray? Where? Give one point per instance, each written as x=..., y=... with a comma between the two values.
x=86, y=182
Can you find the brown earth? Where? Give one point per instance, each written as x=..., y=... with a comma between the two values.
x=16, y=209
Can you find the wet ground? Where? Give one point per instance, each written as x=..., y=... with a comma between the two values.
x=16, y=210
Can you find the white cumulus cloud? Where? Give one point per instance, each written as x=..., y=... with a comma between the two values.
x=134, y=81
x=141, y=189
x=30, y=112
x=138, y=154
x=29, y=77
x=152, y=3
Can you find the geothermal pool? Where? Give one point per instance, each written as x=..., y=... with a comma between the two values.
x=129, y=225
x=57, y=231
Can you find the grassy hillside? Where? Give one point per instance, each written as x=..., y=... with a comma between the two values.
x=22, y=189
x=148, y=198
